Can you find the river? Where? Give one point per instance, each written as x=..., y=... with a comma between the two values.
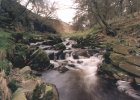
x=81, y=81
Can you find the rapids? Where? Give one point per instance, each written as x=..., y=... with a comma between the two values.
x=81, y=81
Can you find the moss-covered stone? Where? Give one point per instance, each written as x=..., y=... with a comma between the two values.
x=135, y=60
x=39, y=60
x=132, y=69
x=19, y=95
x=59, y=46
x=44, y=92
x=137, y=80
x=116, y=58
x=24, y=55
x=121, y=49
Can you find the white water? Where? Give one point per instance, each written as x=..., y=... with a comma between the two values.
x=81, y=82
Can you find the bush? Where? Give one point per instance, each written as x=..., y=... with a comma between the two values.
x=13, y=85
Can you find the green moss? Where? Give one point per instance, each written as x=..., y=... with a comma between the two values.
x=13, y=85
x=6, y=66
x=5, y=42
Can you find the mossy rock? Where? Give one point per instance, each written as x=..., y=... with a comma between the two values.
x=137, y=80
x=135, y=60
x=116, y=58
x=24, y=55
x=59, y=46
x=132, y=69
x=19, y=95
x=39, y=60
x=44, y=92
x=121, y=49
x=56, y=38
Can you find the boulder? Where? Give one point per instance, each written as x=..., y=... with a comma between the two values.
x=49, y=42
x=116, y=58
x=132, y=69
x=19, y=95
x=137, y=80
x=44, y=92
x=26, y=70
x=4, y=90
x=39, y=60
x=135, y=60
x=57, y=39
x=82, y=53
x=121, y=49
x=59, y=46
x=24, y=55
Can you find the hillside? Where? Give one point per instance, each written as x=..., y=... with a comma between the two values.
x=16, y=17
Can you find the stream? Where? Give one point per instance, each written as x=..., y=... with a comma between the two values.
x=75, y=75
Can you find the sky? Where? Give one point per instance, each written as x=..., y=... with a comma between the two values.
x=65, y=13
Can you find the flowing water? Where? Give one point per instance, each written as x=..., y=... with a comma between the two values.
x=81, y=81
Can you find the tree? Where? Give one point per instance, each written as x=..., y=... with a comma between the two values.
x=91, y=12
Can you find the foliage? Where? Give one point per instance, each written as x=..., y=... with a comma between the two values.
x=6, y=66
x=4, y=40
x=90, y=41
x=13, y=85
x=91, y=12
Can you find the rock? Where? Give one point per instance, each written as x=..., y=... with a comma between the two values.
x=49, y=42
x=4, y=90
x=83, y=53
x=29, y=84
x=132, y=69
x=44, y=92
x=137, y=80
x=19, y=95
x=121, y=49
x=116, y=58
x=24, y=55
x=59, y=46
x=57, y=39
x=39, y=60
x=135, y=60
x=26, y=70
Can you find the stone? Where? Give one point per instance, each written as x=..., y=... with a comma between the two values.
x=137, y=80
x=4, y=90
x=135, y=60
x=44, y=92
x=25, y=70
x=19, y=95
x=59, y=46
x=116, y=58
x=39, y=60
x=83, y=53
x=121, y=49
x=49, y=42
x=132, y=69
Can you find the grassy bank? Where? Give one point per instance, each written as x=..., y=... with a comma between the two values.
x=80, y=33
x=5, y=43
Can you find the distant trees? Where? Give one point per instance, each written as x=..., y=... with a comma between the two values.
x=43, y=8
x=91, y=12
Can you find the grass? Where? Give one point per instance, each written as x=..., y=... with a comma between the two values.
x=4, y=40
x=80, y=33
x=5, y=43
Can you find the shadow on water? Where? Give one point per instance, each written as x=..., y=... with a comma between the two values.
x=73, y=86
